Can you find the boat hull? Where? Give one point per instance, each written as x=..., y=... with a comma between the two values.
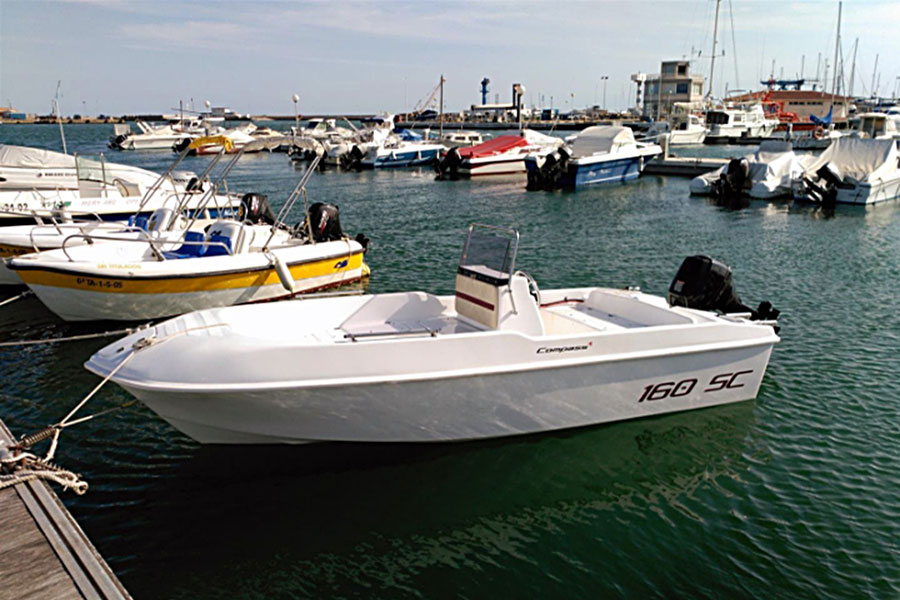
x=453, y=409
x=406, y=158
x=78, y=296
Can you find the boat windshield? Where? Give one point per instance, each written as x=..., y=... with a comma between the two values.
x=89, y=169
x=490, y=248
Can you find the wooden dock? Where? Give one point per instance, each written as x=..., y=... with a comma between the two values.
x=685, y=167
x=43, y=551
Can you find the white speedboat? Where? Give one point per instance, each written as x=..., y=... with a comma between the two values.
x=852, y=170
x=41, y=183
x=733, y=121
x=498, y=358
x=502, y=155
x=159, y=137
x=254, y=259
x=403, y=149
x=877, y=126
x=172, y=211
x=685, y=129
x=767, y=173
x=598, y=154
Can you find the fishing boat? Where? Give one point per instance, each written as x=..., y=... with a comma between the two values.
x=852, y=170
x=598, y=154
x=42, y=183
x=502, y=155
x=258, y=257
x=736, y=120
x=173, y=207
x=498, y=358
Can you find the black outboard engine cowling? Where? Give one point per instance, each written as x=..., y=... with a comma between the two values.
x=324, y=221
x=704, y=283
x=729, y=188
x=255, y=208
x=447, y=167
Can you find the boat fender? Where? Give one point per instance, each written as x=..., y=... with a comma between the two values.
x=284, y=273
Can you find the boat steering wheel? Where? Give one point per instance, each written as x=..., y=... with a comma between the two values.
x=533, y=288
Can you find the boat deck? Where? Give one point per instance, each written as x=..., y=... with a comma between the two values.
x=44, y=553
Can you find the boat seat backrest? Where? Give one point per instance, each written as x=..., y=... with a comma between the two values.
x=227, y=230
x=218, y=245
x=478, y=294
x=496, y=301
x=193, y=244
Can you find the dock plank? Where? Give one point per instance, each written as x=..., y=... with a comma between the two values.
x=43, y=551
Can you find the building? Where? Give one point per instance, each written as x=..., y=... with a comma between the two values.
x=803, y=103
x=674, y=84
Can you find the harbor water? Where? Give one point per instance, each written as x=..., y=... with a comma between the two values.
x=793, y=495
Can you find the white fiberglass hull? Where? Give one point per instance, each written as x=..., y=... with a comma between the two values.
x=460, y=408
x=686, y=137
x=881, y=190
x=492, y=165
x=330, y=370
x=154, y=142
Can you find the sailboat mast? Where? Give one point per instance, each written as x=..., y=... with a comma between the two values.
x=442, y=108
x=712, y=62
x=875, y=70
x=853, y=69
x=837, y=44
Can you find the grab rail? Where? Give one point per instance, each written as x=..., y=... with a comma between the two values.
x=157, y=253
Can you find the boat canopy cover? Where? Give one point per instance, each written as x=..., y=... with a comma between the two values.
x=859, y=158
x=407, y=135
x=498, y=145
x=772, y=169
x=601, y=139
x=34, y=158
x=539, y=139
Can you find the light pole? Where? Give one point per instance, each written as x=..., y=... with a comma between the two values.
x=296, y=99
x=605, y=78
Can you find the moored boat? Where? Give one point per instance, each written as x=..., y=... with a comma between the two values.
x=498, y=358
x=598, y=154
x=502, y=155
x=256, y=258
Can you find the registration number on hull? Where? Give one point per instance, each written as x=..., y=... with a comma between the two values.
x=677, y=389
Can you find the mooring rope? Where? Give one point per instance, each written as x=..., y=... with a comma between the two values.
x=18, y=466
x=24, y=294
x=72, y=338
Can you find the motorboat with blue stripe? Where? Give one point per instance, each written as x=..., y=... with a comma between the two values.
x=598, y=154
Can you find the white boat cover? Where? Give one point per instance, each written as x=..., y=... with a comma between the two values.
x=772, y=169
x=858, y=158
x=34, y=158
x=600, y=139
x=539, y=139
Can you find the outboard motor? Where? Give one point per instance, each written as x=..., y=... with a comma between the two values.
x=117, y=141
x=704, y=283
x=549, y=175
x=180, y=145
x=352, y=159
x=728, y=190
x=447, y=166
x=324, y=222
x=255, y=208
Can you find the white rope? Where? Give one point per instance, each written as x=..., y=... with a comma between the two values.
x=24, y=294
x=71, y=338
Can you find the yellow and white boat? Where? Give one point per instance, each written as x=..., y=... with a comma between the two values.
x=257, y=259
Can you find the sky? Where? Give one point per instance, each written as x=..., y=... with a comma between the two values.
x=131, y=56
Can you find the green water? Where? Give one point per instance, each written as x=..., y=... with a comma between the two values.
x=793, y=495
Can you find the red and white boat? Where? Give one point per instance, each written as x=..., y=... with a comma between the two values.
x=501, y=155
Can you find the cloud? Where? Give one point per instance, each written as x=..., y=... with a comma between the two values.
x=189, y=34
